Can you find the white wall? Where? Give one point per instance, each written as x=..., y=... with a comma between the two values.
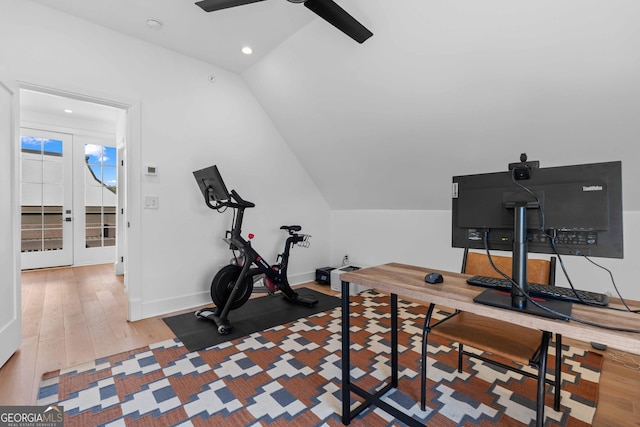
x=186, y=123
x=447, y=88
x=424, y=238
x=373, y=237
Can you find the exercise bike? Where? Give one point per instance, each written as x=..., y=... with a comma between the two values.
x=232, y=286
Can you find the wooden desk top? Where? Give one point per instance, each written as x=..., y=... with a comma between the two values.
x=408, y=281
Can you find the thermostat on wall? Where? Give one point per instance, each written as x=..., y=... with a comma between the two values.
x=151, y=170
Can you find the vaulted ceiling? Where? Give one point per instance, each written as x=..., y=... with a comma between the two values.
x=216, y=38
x=442, y=88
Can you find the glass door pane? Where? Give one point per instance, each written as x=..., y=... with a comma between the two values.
x=100, y=196
x=42, y=194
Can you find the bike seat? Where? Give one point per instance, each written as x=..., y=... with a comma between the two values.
x=291, y=228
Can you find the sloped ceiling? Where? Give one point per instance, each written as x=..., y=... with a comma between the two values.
x=442, y=88
x=447, y=88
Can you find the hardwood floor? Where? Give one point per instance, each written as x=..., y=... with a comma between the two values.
x=71, y=316
x=74, y=315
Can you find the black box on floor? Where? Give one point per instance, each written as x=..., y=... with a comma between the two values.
x=323, y=275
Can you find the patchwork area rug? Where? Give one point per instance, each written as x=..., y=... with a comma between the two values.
x=290, y=375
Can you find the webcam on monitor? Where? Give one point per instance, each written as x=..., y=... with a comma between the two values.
x=522, y=169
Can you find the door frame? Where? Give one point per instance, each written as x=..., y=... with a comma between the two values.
x=11, y=331
x=128, y=248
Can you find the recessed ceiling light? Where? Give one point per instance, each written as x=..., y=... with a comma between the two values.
x=68, y=111
x=247, y=50
x=154, y=24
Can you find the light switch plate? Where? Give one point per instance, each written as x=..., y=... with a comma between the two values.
x=151, y=202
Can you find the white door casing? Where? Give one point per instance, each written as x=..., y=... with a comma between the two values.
x=10, y=303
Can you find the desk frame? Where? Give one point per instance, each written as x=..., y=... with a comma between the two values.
x=408, y=281
x=348, y=387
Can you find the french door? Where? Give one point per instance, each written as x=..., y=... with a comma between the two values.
x=68, y=199
x=46, y=198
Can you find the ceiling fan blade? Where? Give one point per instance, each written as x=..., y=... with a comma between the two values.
x=211, y=5
x=339, y=18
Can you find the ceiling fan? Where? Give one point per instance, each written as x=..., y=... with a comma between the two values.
x=326, y=9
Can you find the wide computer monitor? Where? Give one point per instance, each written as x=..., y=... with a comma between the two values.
x=209, y=178
x=579, y=205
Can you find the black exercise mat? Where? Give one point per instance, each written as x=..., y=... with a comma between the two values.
x=255, y=315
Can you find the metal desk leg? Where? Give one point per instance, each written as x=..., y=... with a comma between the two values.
x=394, y=340
x=542, y=372
x=347, y=387
x=346, y=361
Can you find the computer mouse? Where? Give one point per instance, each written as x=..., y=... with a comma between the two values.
x=433, y=278
x=598, y=346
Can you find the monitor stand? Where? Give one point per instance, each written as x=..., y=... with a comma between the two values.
x=517, y=299
x=502, y=299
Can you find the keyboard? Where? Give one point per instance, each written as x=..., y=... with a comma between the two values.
x=544, y=291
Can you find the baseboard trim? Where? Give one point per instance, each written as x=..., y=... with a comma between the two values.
x=166, y=306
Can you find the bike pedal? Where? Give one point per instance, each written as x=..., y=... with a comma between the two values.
x=206, y=313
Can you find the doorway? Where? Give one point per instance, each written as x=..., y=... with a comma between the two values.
x=69, y=181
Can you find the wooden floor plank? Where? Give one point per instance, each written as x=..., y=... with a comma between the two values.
x=17, y=376
x=77, y=340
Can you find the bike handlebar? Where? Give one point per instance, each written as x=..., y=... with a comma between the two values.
x=238, y=202
x=207, y=198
